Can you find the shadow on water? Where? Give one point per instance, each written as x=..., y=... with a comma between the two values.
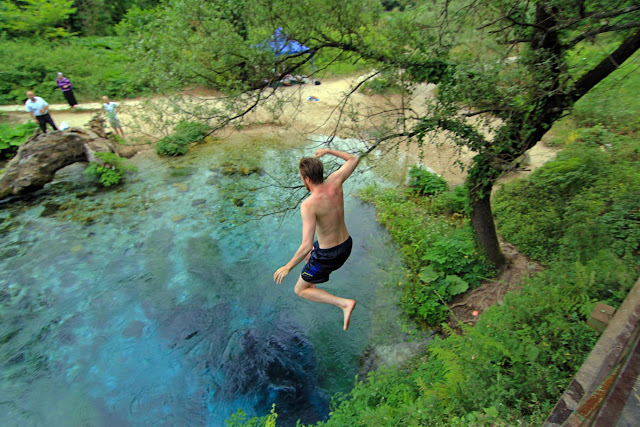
x=154, y=303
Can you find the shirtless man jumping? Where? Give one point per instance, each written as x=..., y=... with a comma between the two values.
x=322, y=215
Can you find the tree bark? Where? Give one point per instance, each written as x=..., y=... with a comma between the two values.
x=485, y=229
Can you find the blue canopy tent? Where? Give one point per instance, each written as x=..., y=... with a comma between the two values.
x=281, y=44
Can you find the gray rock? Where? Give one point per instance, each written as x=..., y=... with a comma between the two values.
x=43, y=154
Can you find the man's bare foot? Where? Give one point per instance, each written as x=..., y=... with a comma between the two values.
x=351, y=304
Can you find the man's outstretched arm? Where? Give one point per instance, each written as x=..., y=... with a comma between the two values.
x=308, y=231
x=345, y=170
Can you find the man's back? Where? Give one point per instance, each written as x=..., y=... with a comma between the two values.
x=322, y=216
x=327, y=203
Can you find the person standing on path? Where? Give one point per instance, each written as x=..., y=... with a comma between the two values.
x=39, y=110
x=110, y=108
x=322, y=215
x=67, y=89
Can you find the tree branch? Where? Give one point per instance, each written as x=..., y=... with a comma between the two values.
x=608, y=65
x=603, y=29
x=601, y=15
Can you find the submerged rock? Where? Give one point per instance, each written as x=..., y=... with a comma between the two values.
x=275, y=363
x=44, y=154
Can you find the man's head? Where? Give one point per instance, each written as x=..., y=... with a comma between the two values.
x=30, y=95
x=312, y=168
x=60, y=76
x=105, y=99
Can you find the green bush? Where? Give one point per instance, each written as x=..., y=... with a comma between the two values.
x=383, y=84
x=441, y=255
x=184, y=134
x=512, y=366
x=426, y=183
x=582, y=202
x=13, y=136
x=94, y=65
x=111, y=170
x=452, y=202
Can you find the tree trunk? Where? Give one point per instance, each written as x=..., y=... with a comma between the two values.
x=484, y=226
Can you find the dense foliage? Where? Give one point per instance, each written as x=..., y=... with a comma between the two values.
x=94, y=66
x=55, y=19
x=440, y=251
x=583, y=205
x=12, y=136
x=184, y=134
x=426, y=183
x=110, y=170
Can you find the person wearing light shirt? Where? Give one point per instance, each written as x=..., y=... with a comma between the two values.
x=110, y=109
x=39, y=110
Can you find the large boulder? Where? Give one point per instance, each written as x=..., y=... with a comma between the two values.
x=44, y=154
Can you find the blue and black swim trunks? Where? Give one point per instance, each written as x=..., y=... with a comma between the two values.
x=322, y=262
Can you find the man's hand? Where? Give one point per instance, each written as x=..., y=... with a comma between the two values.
x=321, y=152
x=43, y=110
x=280, y=274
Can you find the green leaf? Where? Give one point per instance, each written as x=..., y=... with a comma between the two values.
x=532, y=353
x=428, y=274
x=456, y=284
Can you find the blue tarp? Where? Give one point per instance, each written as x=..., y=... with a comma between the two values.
x=281, y=44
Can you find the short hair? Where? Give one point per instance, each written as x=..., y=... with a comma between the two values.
x=312, y=168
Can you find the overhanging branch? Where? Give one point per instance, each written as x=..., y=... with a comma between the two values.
x=603, y=29
x=608, y=65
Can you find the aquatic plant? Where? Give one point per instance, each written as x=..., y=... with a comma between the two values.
x=111, y=171
x=185, y=133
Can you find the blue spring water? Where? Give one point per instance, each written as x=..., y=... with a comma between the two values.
x=153, y=304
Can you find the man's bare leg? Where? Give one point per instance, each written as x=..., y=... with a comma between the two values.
x=309, y=291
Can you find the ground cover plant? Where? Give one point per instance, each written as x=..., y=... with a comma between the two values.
x=110, y=170
x=184, y=134
x=13, y=136
x=440, y=251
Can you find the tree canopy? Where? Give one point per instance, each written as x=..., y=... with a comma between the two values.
x=39, y=18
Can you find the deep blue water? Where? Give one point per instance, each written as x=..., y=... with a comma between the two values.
x=153, y=304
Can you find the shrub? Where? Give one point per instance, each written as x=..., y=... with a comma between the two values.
x=12, y=136
x=452, y=202
x=111, y=170
x=383, y=84
x=441, y=255
x=426, y=183
x=582, y=202
x=512, y=366
x=185, y=133
x=94, y=65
